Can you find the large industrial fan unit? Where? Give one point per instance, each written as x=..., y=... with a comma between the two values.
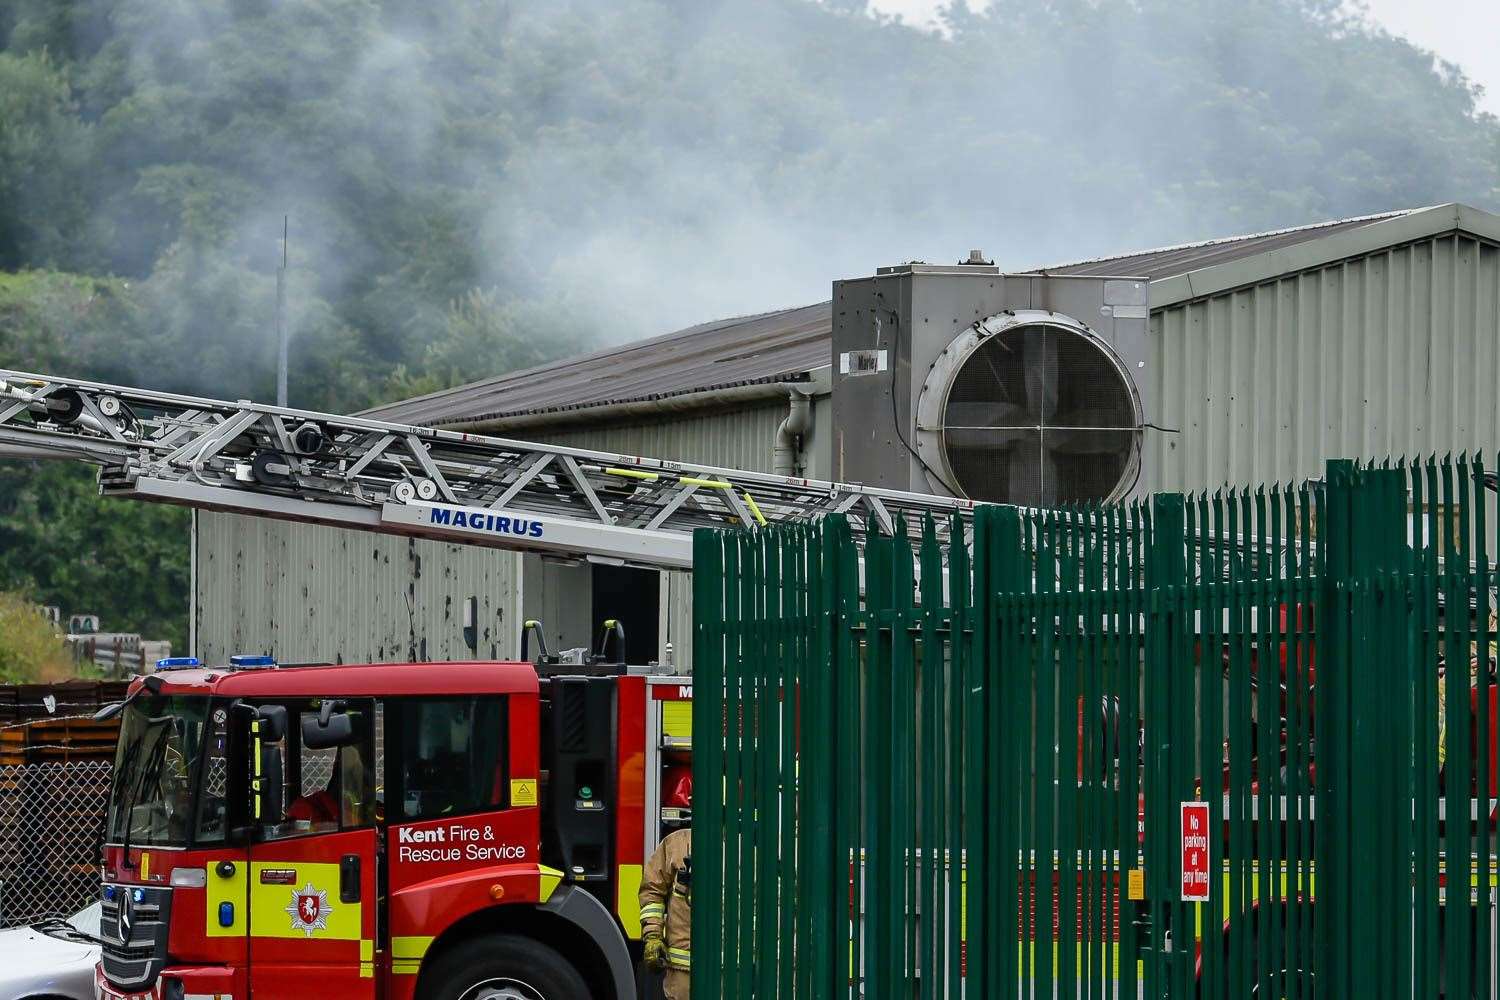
x=959, y=380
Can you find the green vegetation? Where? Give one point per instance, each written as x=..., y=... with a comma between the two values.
x=476, y=186
x=30, y=648
x=61, y=544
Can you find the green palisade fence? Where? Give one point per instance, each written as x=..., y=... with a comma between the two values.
x=951, y=760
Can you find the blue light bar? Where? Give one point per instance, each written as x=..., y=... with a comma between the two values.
x=178, y=663
x=247, y=662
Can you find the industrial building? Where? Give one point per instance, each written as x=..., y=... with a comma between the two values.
x=1234, y=361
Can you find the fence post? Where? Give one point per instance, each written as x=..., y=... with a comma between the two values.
x=975, y=678
x=1002, y=574
x=1363, y=769
x=709, y=728
x=1165, y=671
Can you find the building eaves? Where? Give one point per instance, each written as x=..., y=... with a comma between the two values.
x=1169, y=261
x=701, y=397
x=1349, y=242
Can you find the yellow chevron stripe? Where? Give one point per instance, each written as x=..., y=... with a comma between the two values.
x=413, y=948
x=628, y=891
x=550, y=878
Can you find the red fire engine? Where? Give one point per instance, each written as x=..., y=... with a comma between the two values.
x=452, y=831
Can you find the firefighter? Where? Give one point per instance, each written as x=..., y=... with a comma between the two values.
x=667, y=913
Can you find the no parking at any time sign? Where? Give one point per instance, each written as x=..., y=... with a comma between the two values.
x=1195, y=852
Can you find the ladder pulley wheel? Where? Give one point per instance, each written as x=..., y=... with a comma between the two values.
x=65, y=406
x=271, y=468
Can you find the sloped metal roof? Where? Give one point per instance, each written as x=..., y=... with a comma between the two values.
x=1169, y=262
x=781, y=346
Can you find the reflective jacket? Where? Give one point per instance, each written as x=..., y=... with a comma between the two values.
x=667, y=898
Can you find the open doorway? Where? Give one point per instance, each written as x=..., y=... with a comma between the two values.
x=633, y=596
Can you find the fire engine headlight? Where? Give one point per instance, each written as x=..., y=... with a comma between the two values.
x=189, y=878
x=110, y=892
x=172, y=989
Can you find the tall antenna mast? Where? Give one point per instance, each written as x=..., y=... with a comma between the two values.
x=281, y=330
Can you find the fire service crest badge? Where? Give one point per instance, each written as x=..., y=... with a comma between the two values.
x=309, y=910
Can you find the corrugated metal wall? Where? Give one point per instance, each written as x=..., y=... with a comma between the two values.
x=1394, y=353
x=742, y=439
x=309, y=593
x=676, y=619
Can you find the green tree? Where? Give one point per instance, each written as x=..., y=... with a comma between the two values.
x=42, y=152
x=56, y=322
x=30, y=648
x=126, y=562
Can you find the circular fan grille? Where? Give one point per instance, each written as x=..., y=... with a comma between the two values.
x=1040, y=415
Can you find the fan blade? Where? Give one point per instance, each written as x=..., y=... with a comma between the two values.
x=1032, y=475
x=1090, y=441
x=1039, y=358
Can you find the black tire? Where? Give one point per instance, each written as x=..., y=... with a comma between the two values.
x=528, y=969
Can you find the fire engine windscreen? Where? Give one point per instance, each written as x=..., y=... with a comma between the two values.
x=156, y=763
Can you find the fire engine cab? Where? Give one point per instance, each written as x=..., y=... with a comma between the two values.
x=449, y=831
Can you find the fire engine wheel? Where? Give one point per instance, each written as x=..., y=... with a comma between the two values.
x=504, y=967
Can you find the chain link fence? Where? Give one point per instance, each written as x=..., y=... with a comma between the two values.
x=51, y=828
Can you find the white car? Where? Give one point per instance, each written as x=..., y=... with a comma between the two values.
x=53, y=959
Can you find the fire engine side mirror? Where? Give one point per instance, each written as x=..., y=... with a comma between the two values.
x=152, y=685
x=327, y=730
x=267, y=784
x=271, y=720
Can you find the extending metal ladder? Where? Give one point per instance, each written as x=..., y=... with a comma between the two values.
x=371, y=475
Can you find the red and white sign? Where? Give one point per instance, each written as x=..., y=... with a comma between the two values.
x=671, y=692
x=1195, y=852
x=438, y=847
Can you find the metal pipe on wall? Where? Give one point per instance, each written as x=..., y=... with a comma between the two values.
x=786, y=456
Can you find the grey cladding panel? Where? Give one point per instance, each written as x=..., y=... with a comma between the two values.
x=305, y=593
x=1392, y=353
x=968, y=400
x=864, y=431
